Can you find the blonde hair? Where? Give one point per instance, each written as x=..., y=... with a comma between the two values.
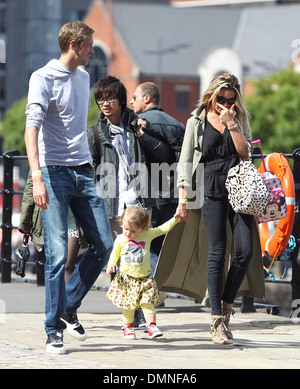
x=230, y=82
x=137, y=216
x=75, y=30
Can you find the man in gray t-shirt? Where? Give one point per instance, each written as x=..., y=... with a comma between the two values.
x=62, y=176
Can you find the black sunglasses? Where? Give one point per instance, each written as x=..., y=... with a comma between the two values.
x=222, y=100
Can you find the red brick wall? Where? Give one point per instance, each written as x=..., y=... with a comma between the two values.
x=123, y=67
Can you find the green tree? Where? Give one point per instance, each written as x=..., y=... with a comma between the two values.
x=93, y=113
x=275, y=111
x=13, y=126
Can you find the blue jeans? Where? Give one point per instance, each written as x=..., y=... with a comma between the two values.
x=72, y=187
x=215, y=213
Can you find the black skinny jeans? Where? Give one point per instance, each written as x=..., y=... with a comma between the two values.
x=215, y=212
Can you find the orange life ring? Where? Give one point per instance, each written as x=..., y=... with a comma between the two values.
x=272, y=246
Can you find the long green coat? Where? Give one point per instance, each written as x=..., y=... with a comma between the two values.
x=181, y=267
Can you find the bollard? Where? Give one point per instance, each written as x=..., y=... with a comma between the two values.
x=248, y=305
x=6, y=225
x=40, y=268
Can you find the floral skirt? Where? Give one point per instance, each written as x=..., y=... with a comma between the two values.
x=130, y=292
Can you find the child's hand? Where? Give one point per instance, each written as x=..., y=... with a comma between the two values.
x=182, y=213
x=110, y=269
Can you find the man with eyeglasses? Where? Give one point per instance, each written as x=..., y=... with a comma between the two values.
x=119, y=156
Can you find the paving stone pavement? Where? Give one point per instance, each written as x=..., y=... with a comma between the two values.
x=261, y=341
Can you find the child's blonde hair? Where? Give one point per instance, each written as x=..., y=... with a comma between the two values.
x=137, y=216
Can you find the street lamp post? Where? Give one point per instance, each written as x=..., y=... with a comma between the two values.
x=160, y=52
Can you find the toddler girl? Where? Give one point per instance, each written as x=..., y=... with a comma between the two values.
x=133, y=286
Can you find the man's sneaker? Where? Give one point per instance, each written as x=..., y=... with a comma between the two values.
x=153, y=331
x=54, y=344
x=128, y=332
x=74, y=328
x=139, y=319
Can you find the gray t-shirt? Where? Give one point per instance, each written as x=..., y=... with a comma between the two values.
x=58, y=104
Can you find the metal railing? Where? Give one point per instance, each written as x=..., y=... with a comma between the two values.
x=9, y=158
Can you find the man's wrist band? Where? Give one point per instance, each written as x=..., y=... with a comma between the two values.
x=36, y=173
x=183, y=201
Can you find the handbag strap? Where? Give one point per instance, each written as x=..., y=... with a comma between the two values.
x=257, y=142
x=97, y=140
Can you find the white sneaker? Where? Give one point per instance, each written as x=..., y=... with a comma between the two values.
x=153, y=331
x=54, y=344
x=128, y=332
x=74, y=328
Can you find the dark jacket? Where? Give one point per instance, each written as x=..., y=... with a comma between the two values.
x=165, y=127
x=31, y=215
x=170, y=132
x=106, y=160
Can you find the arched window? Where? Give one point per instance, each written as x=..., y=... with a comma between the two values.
x=97, y=66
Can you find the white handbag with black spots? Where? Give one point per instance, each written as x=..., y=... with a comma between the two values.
x=247, y=192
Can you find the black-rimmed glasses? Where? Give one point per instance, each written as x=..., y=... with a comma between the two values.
x=109, y=100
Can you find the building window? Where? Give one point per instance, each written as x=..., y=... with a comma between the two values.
x=2, y=21
x=97, y=66
x=43, y=9
x=41, y=37
x=182, y=98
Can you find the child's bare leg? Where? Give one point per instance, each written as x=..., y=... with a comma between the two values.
x=150, y=318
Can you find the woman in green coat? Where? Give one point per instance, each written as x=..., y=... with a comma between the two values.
x=216, y=138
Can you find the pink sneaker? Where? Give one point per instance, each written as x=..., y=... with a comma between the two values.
x=128, y=331
x=153, y=331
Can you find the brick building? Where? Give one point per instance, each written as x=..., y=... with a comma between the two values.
x=182, y=47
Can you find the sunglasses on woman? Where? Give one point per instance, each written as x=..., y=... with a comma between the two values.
x=222, y=100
